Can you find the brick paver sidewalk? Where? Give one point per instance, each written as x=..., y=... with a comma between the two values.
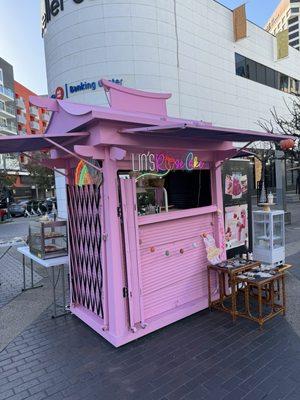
x=11, y=277
x=204, y=356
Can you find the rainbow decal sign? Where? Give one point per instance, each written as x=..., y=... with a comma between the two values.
x=166, y=162
x=86, y=175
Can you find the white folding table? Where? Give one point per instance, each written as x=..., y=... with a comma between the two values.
x=52, y=263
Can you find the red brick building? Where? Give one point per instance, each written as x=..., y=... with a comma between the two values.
x=30, y=119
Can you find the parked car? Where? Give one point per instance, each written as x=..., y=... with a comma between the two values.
x=27, y=206
x=16, y=210
x=23, y=203
x=3, y=214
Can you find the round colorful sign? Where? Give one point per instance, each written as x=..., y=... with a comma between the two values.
x=87, y=175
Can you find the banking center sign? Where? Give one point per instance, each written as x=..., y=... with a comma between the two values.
x=68, y=90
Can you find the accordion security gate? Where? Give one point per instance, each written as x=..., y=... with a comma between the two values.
x=85, y=233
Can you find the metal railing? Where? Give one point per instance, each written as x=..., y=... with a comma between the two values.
x=8, y=127
x=46, y=117
x=34, y=125
x=11, y=162
x=21, y=119
x=20, y=103
x=7, y=92
x=9, y=109
x=33, y=111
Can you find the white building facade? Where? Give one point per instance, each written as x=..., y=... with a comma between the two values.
x=8, y=122
x=185, y=47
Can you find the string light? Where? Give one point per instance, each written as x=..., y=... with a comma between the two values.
x=167, y=253
x=152, y=174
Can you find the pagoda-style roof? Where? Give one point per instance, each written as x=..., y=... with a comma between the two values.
x=139, y=116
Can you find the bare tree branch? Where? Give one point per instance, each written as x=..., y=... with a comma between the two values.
x=286, y=125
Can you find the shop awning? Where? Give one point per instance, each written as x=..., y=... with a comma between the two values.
x=19, y=144
x=206, y=132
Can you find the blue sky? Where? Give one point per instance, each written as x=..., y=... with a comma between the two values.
x=258, y=11
x=21, y=43
x=22, y=46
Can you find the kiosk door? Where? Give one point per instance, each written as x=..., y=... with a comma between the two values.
x=132, y=256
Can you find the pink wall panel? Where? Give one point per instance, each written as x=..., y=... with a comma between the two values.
x=170, y=281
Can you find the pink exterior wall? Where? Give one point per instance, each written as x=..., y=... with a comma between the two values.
x=170, y=281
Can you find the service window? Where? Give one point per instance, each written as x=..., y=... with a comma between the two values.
x=178, y=190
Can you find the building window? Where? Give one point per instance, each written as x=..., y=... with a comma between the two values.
x=293, y=35
x=251, y=69
x=293, y=28
x=257, y=72
x=295, y=9
x=1, y=76
x=284, y=83
x=294, y=86
x=240, y=65
x=294, y=43
x=271, y=77
x=261, y=73
x=293, y=20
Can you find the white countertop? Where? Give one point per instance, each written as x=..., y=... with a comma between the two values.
x=50, y=262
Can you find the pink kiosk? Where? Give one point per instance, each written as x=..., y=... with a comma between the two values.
x=142, y=190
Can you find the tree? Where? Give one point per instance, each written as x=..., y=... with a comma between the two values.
x=288, y=125
x=42, y=177
x=6, y=182
x=264, y=152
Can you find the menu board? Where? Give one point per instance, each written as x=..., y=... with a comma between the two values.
x=236, y=226
x=235, y=182
x=236, y=175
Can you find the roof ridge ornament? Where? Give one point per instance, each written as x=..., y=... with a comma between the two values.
x=128, y=99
